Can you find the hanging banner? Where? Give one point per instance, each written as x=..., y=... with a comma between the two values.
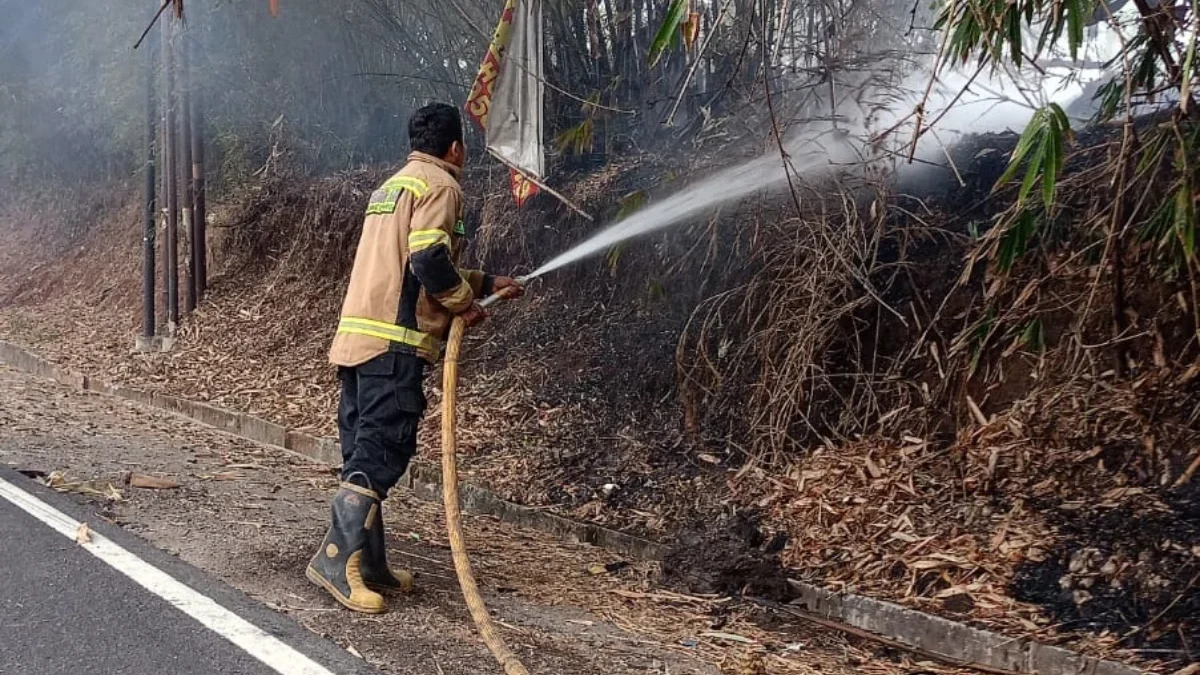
x=507, y=96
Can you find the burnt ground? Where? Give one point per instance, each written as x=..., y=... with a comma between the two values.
x=1111, y=572
x=251, y=515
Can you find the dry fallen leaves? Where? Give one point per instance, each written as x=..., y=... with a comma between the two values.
x=83, y=535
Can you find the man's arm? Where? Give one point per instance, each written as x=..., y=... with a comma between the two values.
x=429, y=251
x=482, y=284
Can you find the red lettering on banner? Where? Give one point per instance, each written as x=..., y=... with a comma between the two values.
x=479, y=102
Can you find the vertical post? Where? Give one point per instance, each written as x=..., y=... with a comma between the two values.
x=149, y=227
x=171, y=167
x=198, y=188
x=185, y=167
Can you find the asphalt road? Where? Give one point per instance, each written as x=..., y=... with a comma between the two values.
x=65, y=610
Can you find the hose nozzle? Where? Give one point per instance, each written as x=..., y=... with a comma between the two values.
x=497, y=297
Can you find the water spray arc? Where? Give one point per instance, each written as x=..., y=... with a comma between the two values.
x=761, y=174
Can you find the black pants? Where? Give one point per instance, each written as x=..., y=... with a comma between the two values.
x=382, y=403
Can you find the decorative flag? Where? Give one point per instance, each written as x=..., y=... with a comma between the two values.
x=690, y=29
x=522, y=187
x=506, y=98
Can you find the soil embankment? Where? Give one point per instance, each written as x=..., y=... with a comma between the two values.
x=1016, y=483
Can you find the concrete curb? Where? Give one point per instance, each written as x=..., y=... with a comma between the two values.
x=948, y=639
x=953, y=640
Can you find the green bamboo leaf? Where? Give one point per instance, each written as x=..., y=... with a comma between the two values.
x=1185, y=221
x=1062, y=125
x=667, y=31
x=1015, y=240
x=1056, y=23
x=998, y=41
x=1064, y=122
x=1053, y=163
x=1075, y=26
x=1014, y=36
x=1045, y=36
x=1189, y=66
x=1160, y=227
x=1112, y=96
x=1154, y=152
x=1033, y=336
x=1036, y=167
x=1024, y=144
x=963, y=40
x=1058, y=134
x=943, y=19
x=1147, y=69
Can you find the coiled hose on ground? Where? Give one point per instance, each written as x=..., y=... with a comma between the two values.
x=458, y=547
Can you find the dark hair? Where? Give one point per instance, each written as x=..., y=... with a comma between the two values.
x=434, y=128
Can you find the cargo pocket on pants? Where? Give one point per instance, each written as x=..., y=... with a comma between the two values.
x=389, y=410
x=410, y=384
x=399, y=375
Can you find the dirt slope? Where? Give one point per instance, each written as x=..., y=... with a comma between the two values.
x=1022, y=500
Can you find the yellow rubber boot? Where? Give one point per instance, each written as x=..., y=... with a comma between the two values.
x=338, y=565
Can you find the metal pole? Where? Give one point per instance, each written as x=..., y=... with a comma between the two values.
x=149, y=225
x=198, y=198
x=198, y=188
x=185, y=168
x=171, y=268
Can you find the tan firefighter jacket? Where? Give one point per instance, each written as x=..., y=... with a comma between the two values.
x=406, y=285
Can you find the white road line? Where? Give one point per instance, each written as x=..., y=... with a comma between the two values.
x=255, y=641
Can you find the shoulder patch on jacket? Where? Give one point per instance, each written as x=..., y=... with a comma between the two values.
x=459, y=227
x=384, y=199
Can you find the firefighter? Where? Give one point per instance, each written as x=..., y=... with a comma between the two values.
x=405, y=288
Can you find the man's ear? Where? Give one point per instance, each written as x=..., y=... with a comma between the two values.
x=457, y=154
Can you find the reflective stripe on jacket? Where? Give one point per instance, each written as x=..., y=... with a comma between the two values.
x=406, y=285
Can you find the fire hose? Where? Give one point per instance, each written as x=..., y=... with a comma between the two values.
x=458, y=547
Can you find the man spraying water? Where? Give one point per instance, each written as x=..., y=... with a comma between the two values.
x=405, y=288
